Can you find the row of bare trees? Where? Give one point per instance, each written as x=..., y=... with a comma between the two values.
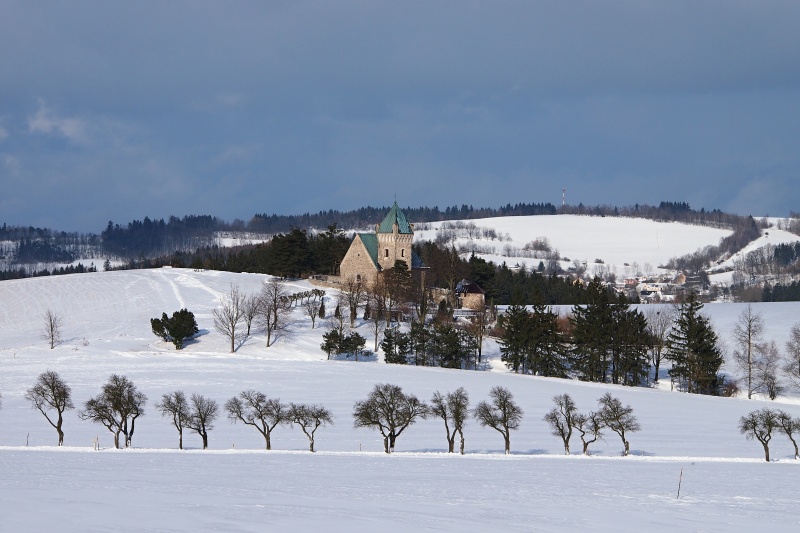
x=761, y=361
x=119, y=405
x=564, y=418
x=239, y=314
x=387, y=409
x=391, y=411
x=761, y=424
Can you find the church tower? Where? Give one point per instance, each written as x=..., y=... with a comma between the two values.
x=395, y=236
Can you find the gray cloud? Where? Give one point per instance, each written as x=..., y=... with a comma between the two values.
x=120, y=111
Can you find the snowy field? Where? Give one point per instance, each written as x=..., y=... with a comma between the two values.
x=349, y=484
x=614, y=240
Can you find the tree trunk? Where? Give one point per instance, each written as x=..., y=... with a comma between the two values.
x=507, y=439
x=766, y=451
x=116, y=440
x=566, y=446
x=311, y=445
x=585, y=448
x=461, y=447
x=392, y=438
x=627, y=448
x=267, y=439
x=205, y=439
x=59, y=430
x=180, y=440
x=386, y=444
x=451, y=443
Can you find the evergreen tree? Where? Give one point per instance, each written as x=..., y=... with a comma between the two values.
x=693, y=348
x=331, y=341
x=177, y=329
x=591, y=341
x=630, y=341
x=514, y=343
x=396, y=346
x=546, y=352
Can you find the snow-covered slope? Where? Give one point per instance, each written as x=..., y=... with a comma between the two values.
x=349, y=485
x=613, y=240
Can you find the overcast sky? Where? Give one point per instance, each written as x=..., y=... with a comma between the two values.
x=121, y=110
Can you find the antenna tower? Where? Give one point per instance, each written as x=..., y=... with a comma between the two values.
x=563, y=197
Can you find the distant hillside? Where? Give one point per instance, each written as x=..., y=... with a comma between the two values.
x=26, y=251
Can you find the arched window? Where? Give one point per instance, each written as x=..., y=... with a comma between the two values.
x=403, y=252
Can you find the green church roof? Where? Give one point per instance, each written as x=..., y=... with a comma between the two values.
x=395, y=215
x=370, y=241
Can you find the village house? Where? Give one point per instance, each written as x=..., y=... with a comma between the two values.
x=470, y=296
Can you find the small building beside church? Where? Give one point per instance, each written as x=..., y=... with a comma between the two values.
x=470, y=296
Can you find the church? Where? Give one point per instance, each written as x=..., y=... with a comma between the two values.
x=372, y=253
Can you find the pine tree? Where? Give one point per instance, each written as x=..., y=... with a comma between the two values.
x=546, y=352
x=514, y=343
x=693, y=349
x=591, y=340
x=630, y=363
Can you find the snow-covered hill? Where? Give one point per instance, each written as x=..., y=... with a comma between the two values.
x=622, y=244
x=349, y=485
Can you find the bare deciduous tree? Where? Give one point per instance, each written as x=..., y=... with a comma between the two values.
x=560, y=418
x=789, y=426
x=768, y=362
x=51, y=393
x=390, y=411
x=310, y=418
x=477, y=327
x=253, y=408
x=252, y=306
x=51, y=330
x=792, y=356
x=659, y=322
x=229, y=316
x=202, y=413
x=747, y=334
x=175, y=405
x=275, y=308
x=590, y=427
x=502, y=414
x=311, y=308
x=618, y=418
x=759, y=425
x=354, y=295
x=117, y=407
x=378, y=310
x=452, y=408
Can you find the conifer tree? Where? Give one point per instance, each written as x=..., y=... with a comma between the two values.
x=591, y=340
x=513, y=345
x=546, y=351
x=693, y=349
